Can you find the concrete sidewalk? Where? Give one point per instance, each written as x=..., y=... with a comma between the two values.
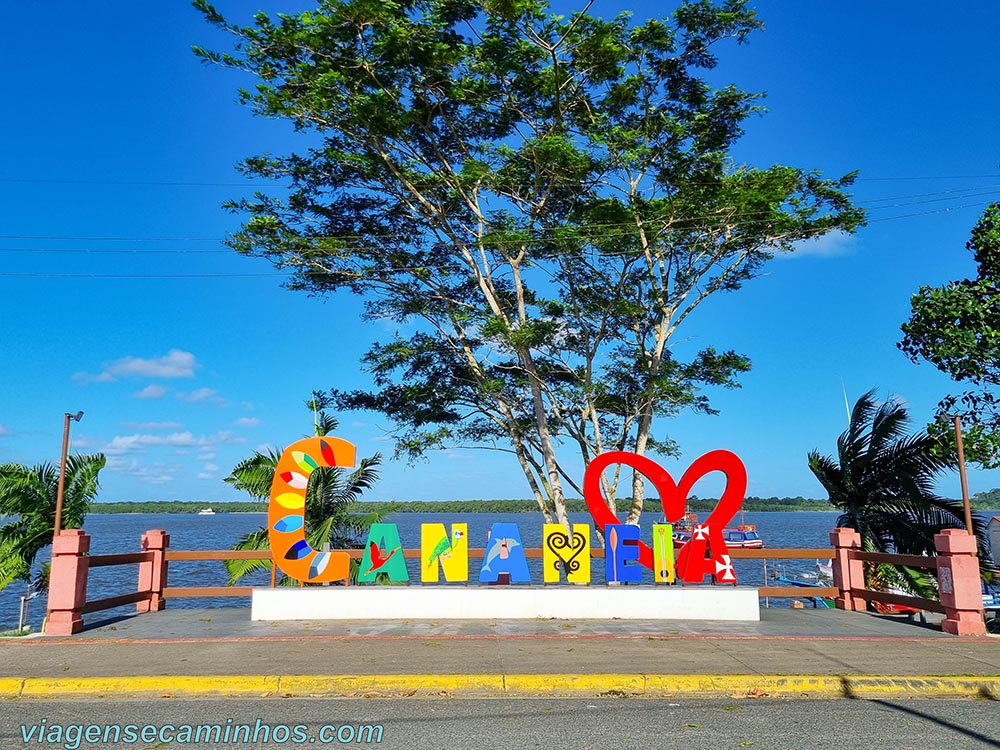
x=789, y=653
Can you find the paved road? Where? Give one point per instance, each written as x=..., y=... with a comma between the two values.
x=605, y=724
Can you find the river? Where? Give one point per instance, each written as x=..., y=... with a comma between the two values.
x=121, y=533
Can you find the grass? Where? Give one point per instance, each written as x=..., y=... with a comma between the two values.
x=26, y=630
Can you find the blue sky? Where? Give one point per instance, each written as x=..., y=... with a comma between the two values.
x=118, y=298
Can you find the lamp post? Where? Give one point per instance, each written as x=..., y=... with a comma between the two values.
x=961, y=473
x=62, y=470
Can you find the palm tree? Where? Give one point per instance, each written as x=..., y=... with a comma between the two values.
x=28, y=500
x=329, y=516
x=883, y=484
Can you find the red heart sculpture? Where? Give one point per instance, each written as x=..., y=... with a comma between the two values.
x=690, y=567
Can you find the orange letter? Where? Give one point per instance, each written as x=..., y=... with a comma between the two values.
x=286, y=511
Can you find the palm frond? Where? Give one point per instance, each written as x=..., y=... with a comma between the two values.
x=255, y=474
x=883, y=482
x=238, y=569
x=28, y=495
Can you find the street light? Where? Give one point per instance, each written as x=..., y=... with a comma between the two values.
x=62, y=470
x=961, y=473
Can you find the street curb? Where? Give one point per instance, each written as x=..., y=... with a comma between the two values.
x=513, y=685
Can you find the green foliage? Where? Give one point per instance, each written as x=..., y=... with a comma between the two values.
x=882, y=481
x=28, y=497
x=956, y=328
x=545, y=199
x=986, y=500
x=332, y=515
x=573, y=505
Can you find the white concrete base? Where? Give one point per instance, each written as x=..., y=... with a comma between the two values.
x=506, y=603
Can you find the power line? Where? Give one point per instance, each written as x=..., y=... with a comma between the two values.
x=212, y=183
x=136, y=275
x=928, y=178
x=538, y=235
x=111, y=251
x=926, y=213
x=741, y=220
x=125, y=183
x=400, y=269
x=107, y=239
x=147, y=252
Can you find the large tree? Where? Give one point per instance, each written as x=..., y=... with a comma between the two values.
x=956, y=328
x=545, y=199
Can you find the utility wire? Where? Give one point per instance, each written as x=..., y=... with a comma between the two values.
x=538, y=234
x=4, y=274
x=213, y=183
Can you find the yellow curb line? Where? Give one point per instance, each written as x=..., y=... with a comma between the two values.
x=424, y=684
x=165, y=686
x=552, y=685
x=10, y=687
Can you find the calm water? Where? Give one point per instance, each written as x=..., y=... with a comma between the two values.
x=121, y=533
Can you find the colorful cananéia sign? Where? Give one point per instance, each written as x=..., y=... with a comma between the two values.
x=565, y=554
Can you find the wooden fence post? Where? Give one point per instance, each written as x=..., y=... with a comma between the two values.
x=958, y=583
x=153, y=573
x=68, y=582
x=847, y=573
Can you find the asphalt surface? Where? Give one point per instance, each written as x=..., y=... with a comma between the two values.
x=504, y=724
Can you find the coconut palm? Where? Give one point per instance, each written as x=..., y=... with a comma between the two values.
x=883, y=483
x=28, y=500
x=329, y=515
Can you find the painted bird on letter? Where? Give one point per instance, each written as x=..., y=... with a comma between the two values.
x=443, y=547
x=377, y=560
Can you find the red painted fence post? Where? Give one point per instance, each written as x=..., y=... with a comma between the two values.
x=958, y=583
x=847, y=573
x=68, y=582
x=153, y=573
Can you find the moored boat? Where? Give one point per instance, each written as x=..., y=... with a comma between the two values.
x=744, y=536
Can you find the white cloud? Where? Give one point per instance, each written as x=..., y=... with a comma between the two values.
x=151, y=391
x=203, y=396
x=246, y=422
x=174, y=364
x=5, y=430
x=122, y=444
x=152, y=425
x=206, y=455
x=157, y=473
x=205, y=475
x=829, y=245
x=138, y=442
x=210, y=467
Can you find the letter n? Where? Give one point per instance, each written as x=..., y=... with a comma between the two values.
x=450, y=553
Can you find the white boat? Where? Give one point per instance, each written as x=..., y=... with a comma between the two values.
x=206, y=512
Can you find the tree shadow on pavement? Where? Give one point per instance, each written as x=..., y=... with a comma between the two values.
x=984, y=694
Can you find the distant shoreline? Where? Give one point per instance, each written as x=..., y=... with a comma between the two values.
x=750, y=505
x=450, y=506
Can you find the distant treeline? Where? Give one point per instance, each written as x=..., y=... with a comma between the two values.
x=453, y=506
x=576, y=505
x=178, y=506
x=986, y=500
